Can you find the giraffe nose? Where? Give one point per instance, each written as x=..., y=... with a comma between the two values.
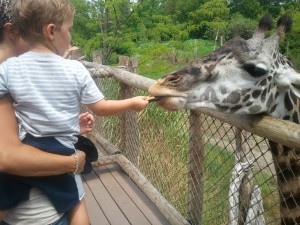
x=172, y=79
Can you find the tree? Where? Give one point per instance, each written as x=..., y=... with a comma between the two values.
x=102, y=24
x=179, y=9
x=274, y=7
x=248, y=8
x=212, y=16
x=85, y=26
x=238, y=25
x=291, y=44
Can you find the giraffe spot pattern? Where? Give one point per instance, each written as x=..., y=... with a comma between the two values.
x=270, y=101
x=294, y=98
x=249, y=104
x=209, y=94
x=255, y=109
x=273, y=108
x=256, y=93
x=233, y=98
x=246, y=98
x=195, y=71
x=263, y=83
x=286, y=118
x=291, y=201
x=222, y=108
x=263, y=96
x=235, y=108
x=223, y=89
x=296, y=117
x=287, y=102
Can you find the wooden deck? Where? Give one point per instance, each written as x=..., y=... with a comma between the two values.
x=114, y=199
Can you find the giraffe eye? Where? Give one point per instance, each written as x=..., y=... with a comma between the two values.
x=254, y=70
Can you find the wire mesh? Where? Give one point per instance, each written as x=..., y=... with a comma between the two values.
x=197, y=183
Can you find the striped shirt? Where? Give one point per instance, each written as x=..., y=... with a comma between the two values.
x=47, y=91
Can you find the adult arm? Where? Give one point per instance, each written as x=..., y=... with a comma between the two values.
x=24, y=160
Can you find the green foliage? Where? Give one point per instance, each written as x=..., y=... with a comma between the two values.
x=274, y=7
x=248, y=8
x=212, y=15
x=291, y=45
x=84, y=26
x=180, y=9
x=116, y=27
x=238, y=25
x=156, y=58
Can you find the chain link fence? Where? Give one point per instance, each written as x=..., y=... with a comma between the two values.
x=212, y=172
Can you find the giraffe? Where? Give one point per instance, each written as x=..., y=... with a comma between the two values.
x=246, y=77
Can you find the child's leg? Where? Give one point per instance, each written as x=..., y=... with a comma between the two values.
x=2, y=215
x=79, y=215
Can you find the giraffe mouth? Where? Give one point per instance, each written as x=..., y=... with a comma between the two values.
x=155, y=98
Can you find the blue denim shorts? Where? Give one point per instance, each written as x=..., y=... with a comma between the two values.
x=60, y=189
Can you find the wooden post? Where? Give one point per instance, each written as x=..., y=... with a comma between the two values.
x=196, y=168
x=97, y=56
x=129, y=126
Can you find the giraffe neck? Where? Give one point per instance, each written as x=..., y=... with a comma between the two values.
x=286, y=161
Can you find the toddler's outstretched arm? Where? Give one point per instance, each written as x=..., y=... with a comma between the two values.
x=113, y=107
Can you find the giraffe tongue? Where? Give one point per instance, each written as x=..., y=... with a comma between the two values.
x=154, y=98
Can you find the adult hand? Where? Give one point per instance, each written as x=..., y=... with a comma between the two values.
x=86, y=121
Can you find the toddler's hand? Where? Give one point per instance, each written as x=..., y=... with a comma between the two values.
x=139, y=103
x=86, y=121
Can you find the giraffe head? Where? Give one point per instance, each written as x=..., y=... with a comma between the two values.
x=243, y=76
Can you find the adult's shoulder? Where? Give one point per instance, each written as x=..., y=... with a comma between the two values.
x=10, y=62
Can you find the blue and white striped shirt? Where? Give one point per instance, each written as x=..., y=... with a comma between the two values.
x=47, y=91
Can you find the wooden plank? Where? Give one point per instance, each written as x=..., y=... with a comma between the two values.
x=94, y=209
x=126, y=205
x=147, y=207
x=109, y=207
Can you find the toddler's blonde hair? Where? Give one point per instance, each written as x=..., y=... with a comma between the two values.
x=29, y=16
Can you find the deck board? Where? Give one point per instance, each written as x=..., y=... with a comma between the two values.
x=94, y=208
x=139, y=198
x=112, y=198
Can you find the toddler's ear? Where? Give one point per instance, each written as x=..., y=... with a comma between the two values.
x=49, y=31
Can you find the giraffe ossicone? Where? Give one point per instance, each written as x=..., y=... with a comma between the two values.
x=246, y=77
